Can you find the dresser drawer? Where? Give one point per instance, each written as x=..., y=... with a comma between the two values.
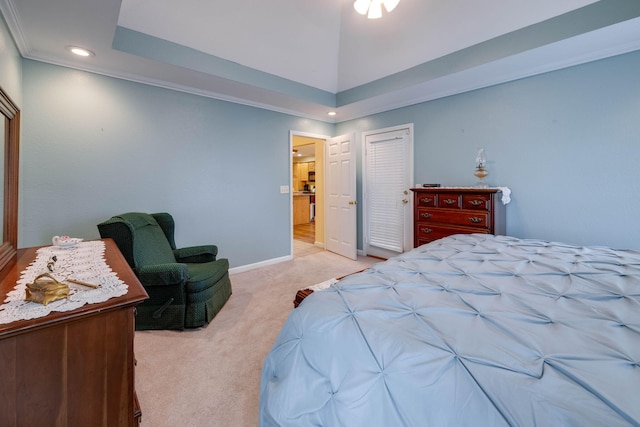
x=451, y=201
x=465, y=218
x=425, y=200
x=425, y=232
x=476, y=201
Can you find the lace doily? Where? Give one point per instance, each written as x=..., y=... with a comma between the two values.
x=83, y=262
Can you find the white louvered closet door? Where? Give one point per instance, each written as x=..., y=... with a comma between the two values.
x=388, y=176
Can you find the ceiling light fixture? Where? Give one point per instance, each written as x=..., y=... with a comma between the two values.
x=332, y=113
x=374, y=7
x=80, y=51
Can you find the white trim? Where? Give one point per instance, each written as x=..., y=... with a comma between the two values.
x=309, y=135
x=266, y=263
x=243, y=268
x=13, y=21
x=122, y=75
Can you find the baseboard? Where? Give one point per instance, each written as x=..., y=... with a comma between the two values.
x=248, y=267
x=265, y=263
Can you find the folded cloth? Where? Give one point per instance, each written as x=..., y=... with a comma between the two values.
x=323, y=285
x=303, y=293
x=506, y=194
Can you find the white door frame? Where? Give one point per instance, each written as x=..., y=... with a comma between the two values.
x=293, y=133
x=408, y=215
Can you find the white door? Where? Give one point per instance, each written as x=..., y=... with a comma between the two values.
x=388, y=202
x=340, y=196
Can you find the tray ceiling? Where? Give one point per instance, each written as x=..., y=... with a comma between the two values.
x=308, y=57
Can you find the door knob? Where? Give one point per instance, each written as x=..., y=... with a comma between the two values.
x=353, y=202
x=405, y=201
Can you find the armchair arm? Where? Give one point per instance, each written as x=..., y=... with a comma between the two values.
x=163, y=274
x=204, y=253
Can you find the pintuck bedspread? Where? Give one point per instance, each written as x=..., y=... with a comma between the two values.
x=469, y=330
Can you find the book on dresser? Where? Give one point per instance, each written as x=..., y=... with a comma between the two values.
x=442, y=211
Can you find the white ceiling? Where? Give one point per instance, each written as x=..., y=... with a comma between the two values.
x=307, y=57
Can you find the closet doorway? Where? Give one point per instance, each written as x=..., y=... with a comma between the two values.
x=388, y=201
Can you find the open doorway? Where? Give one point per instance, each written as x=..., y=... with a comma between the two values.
x=307, y=195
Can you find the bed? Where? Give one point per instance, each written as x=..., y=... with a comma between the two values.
x=469, y=330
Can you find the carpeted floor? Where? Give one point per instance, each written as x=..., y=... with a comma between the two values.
x=210, y=377
x=301, y=248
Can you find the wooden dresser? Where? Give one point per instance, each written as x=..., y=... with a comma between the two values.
x=71, y=368
x=442, y=211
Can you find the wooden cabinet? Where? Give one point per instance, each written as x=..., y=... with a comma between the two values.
x=72, y=368
x=296, y=177
x=301, y=209
x=440, y=212
x=301, y=174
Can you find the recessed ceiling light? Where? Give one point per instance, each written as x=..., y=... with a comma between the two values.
x=332, y=113
x=80, y=51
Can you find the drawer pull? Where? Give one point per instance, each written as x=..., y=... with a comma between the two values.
x=426, y=200
x=450, y=201
x=425, y=215
x=476, y=202
x=475, y=219
x=426, y=230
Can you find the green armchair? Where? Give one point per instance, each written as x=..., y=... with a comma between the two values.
x=187, y=287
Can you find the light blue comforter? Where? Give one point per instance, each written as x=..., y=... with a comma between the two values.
x=470, y=330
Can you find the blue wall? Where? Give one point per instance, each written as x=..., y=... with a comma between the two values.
x=567, y=143
x=10, y=65
x=94, y=146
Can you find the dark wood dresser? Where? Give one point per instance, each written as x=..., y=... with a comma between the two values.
x=443, y=211
x=72, y=368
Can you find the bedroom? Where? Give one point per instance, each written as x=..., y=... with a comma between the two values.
x=566, y=142
x=562, y=141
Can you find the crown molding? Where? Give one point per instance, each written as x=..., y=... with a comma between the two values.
x=11, y=17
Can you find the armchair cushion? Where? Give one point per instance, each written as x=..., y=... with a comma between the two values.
x=165, y=221
x=203, y=274
x=150, y=245
x=163, y=274
x=204, y=253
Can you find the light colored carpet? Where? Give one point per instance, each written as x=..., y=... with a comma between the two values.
x=301, y=248
x=210, y=377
